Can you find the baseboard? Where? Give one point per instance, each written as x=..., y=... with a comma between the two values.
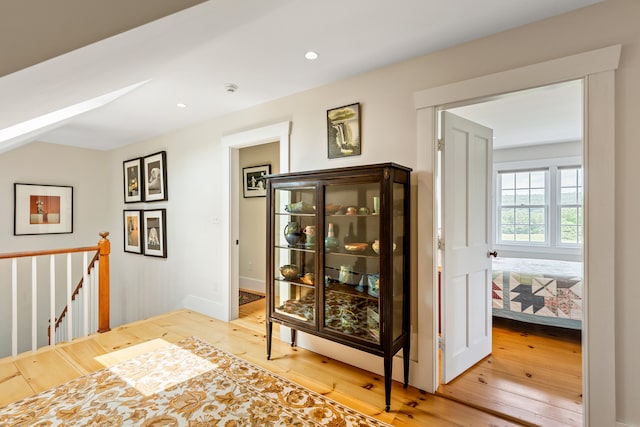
x=252, y=285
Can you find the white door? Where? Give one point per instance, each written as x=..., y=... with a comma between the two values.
x=466, y=239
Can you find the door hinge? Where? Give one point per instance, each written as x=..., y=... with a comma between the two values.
x=440, y=244
x=440, y=145
x=440, y=343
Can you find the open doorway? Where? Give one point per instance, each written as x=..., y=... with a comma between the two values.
x=534, y=222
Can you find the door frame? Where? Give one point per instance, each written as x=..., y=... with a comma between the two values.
x=279, y=132
x=597, y=69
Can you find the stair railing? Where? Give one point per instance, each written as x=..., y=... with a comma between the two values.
x=101, y=306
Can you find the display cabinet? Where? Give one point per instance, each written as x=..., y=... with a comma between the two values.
x=338, y=258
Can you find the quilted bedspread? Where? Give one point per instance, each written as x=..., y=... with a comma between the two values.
x=540, y=291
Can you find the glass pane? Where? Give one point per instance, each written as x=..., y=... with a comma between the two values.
x=537, y=233
x=522, y=233
x=569, y=216
x=352, y=247
x=507, y=233
x=537, y=179
x=537, y=196
x=399, y=273
x=568, y=196
x=293, y=253
x=568, y=177
x=508, y=198
x=508, y=181
x=569, y=234
x=522, y=180
x=522, y=216
x=522, y=197
x=507, y=216
x=537, y=216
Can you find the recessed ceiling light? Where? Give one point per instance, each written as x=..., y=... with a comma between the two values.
x=181, y=105
x=311, y=55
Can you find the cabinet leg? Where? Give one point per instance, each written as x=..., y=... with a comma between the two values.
x=405, y=359
x=293, y=337
x=387, y=382
x=269, y=333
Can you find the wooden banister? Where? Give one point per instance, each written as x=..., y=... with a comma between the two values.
x=49, y=252
x=103, y=287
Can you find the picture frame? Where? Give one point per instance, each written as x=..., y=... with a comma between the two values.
x=133, y=231
x=253, y=181
x=42, y=209
x=155, y=232
x=154, y=167
x=343, y=131
x=132, y=179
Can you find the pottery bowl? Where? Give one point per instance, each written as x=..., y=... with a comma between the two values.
x=289, y=271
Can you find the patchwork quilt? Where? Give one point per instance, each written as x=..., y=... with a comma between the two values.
x=547, y=292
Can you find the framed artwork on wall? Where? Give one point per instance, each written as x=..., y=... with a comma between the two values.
x=42, y=209
x=133, y=231
x=253, y=179
x=155, y=232
x=133, y=182
x=343, y=131
x=155, y=177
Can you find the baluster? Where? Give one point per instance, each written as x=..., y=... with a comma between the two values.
x=52, y=298
x=85, y=293
x=34, y=304
x=14, y=307
x=69, y=300
x=94, y=295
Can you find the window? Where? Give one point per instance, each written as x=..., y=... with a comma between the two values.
x=540, y=207
x=570, y=205
x=523, y=206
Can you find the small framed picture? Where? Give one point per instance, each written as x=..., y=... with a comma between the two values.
x=343, y=131
x=133, y=182
x=133, y=231
x=155, y=232
x=155, y=177
x=254, y=184
x=42, y=209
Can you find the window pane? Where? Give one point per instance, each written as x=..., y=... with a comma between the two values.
x=580, y=195
x=508, y=180
x=522, y=180
x=522, y=216
x=522, y=197
x=507, y=233
x=537, y=216
x=522, y=233
x=568, y=177
x=568, y=196
x=569, y=234
x=569, y=216
x=537, y=233
x=507, y=216
x=508, y=197
x=537, y=179
x=537, y=197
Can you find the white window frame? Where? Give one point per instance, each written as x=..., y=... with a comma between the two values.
x=552, y=246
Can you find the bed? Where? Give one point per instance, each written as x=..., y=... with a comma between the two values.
x=542, y=291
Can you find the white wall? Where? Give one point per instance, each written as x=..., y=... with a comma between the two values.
x=38, y=163
x=253, y=227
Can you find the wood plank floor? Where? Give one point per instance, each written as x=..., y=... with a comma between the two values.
x=33, y=372
x=534, y=374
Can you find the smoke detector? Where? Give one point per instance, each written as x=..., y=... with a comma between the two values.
x=231, y=87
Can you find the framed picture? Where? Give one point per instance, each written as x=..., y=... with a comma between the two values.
x=155, y=232
x=133, y=182
x=133, y=231
x=343, y=131
x=42, y=209
x=254, y=185
x=155, y=177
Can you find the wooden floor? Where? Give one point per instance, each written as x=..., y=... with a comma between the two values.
x=31, y=373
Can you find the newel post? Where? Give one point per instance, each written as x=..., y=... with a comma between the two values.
x=103, y=286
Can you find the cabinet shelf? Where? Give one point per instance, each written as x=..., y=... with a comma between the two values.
x=360, y=298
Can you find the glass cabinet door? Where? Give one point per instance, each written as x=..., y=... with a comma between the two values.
x=351, y=261
x=294, y=252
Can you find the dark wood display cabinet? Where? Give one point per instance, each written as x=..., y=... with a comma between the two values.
x=338, y=258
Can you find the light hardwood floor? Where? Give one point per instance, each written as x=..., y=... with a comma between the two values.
x=31, y=373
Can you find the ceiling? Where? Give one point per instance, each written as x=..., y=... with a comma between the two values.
x=125, y=88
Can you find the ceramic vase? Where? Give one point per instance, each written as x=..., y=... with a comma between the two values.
x=292, y=233
x=331, y=241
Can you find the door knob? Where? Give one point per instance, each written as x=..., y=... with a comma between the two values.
x=492, y=254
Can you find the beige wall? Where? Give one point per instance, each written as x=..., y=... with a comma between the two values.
x=253, y=227
x=37, y=163
x=190, y=276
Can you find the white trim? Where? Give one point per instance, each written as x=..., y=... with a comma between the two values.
x=279, y=132
x=597, y=67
